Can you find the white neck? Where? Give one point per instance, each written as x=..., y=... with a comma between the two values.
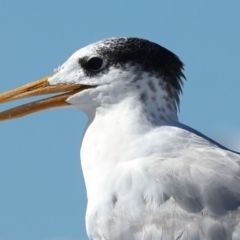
x=117, y=127
x=121, y=113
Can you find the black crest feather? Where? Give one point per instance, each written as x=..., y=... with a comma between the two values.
x=150, y=56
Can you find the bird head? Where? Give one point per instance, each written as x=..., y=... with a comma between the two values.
x=105, y=73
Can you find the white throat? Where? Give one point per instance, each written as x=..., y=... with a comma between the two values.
x=120, y=113
x=118, y=127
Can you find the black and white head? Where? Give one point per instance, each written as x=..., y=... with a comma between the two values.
x=112, y=70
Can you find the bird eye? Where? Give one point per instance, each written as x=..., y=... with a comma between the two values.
x=95, y=63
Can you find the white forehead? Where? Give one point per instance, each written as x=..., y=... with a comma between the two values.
x=70, y=72
x=84, y=52
x=90, y=49
x=66, y=73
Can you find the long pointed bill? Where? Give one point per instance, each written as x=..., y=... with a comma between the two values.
x=39, y=87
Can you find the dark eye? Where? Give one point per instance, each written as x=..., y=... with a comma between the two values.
x=95, y=63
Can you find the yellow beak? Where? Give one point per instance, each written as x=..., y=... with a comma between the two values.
x=37, y=88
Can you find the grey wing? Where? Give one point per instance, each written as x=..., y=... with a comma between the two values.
x=185, y=188
x=202, y=180
x=201, y=185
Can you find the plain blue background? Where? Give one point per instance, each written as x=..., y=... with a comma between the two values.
x=42, y=193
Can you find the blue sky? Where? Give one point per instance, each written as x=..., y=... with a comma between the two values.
x=41, y=184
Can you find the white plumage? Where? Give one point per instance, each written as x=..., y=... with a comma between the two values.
x=147, y=176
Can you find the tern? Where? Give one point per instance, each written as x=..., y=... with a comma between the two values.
x=147, y=176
